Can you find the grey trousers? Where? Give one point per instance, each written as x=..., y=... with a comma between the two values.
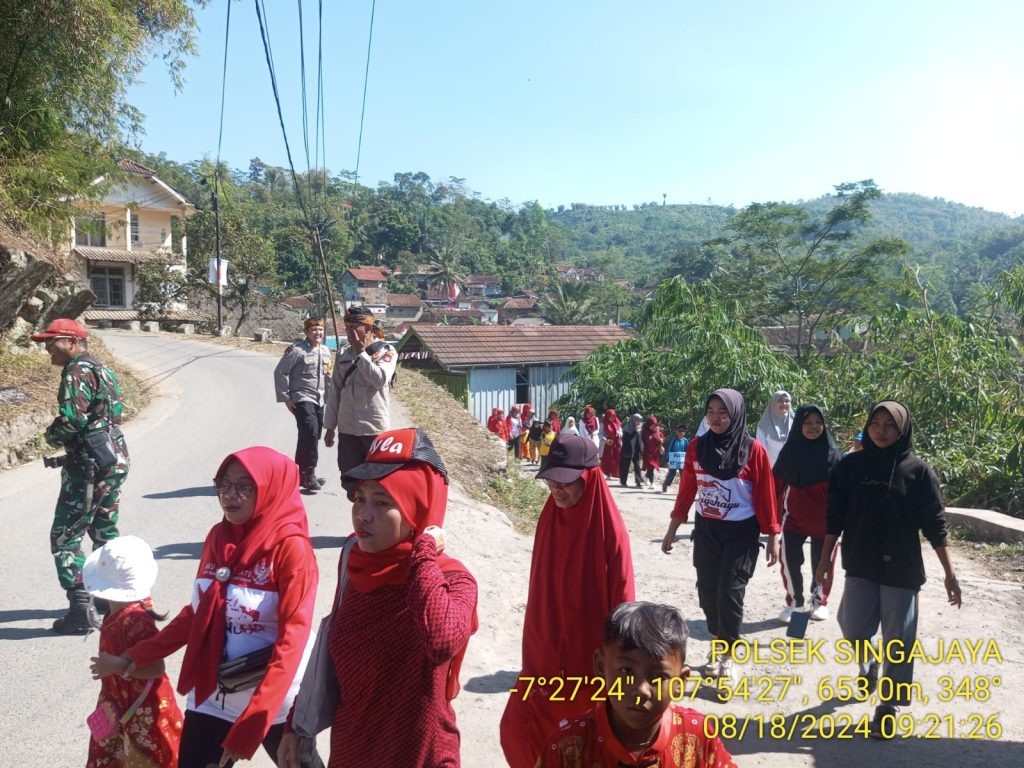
x=866, y=605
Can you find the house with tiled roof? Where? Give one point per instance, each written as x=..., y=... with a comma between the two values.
x=139, y=220
x=483, y=286
x=516, y=307
x=498, y=366
x=404, y=307
x=365, y=285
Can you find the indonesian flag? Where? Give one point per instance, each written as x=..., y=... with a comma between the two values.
x=453, y=290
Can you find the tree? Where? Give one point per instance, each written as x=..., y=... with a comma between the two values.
x=689, y=340
x=65, y=66
x=791, y=267
x=159, y=286
x=250, y=255
x=569, y=304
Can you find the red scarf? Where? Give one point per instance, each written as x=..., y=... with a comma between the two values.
x=582, y=569
x=590, y=420
x=556, y=425
x=612, y=425
x=278, y=514
x=421, y=494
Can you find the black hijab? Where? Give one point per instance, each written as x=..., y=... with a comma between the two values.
x=723, y=456
x=804, y=462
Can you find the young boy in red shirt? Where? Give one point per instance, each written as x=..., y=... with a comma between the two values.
x=644, y=648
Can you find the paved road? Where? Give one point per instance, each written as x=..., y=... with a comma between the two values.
x=211, y=400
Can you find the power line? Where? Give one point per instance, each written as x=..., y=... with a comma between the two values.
x=314, y=230
x=366, y=81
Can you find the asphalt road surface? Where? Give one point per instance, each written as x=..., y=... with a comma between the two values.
x=210, y=400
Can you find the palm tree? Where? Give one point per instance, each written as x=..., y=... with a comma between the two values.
x=569, y=304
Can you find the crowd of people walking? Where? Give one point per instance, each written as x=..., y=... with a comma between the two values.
x=255, y=673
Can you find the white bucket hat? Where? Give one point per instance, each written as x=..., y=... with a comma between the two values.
x=122, y=570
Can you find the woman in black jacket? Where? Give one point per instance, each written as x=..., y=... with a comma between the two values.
x=880, y=500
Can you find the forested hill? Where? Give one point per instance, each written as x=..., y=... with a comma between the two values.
x=641, y=240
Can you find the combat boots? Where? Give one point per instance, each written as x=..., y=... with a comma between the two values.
x=310, y=482
x=81, y=618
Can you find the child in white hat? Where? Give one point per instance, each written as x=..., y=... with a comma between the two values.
x=136, y=720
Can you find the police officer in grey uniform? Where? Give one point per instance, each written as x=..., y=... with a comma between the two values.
x=299, y=380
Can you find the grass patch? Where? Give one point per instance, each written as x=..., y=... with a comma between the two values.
x=475, y=458
x=1003, y=560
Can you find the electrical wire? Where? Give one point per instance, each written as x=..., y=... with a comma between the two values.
x=314, y=230
x=366, y=81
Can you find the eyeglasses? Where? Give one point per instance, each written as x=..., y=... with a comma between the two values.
x=48, y=342
x=243, y=489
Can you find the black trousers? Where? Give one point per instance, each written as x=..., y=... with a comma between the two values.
x=792, y=560
x=309, y=418
x=202, y=735
x=724, y=555
x=352, y=450
x=624, y=462
x=669, y=477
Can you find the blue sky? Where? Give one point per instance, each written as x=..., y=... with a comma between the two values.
x=620, y=102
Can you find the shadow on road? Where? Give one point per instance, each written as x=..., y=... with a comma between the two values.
x=496, y=682
x=183, y=493
x=30, y=633
x=27, y=614
x=182, y=551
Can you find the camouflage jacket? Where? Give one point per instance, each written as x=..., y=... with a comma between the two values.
x=89, y=398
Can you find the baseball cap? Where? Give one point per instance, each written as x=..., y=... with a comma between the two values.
x=122, y=570
x=62, y=327
x=568, y=457
x=394, y=449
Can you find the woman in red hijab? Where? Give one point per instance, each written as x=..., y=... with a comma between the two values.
x=582, y=569
x=556, y=425
x=399, y=636
x=255, y=588
x=590, y=427
x=612, y=434
x=492, y=420
x=653, y=438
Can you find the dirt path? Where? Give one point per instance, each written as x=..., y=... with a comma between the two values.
x=993, y=610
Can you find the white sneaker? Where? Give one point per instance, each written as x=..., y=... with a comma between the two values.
x=820, y=613
x=729, y=670
x=713, y=667
x=786, y=613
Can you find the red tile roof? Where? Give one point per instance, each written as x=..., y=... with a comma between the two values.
x=131, y=166
x=404, y=300
x=491, y=345
x=483, y=280
x=371, y=274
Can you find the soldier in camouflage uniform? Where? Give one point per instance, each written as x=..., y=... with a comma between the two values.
x=89, y=402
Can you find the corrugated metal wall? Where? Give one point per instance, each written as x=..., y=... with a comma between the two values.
x=496, y=388
x=546, y=386
x=491, y=388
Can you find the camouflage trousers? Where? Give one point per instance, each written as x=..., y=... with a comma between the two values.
x=72, y=521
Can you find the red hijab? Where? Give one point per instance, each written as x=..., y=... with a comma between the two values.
x=589, y=420
x=611, y=422
x=278, y=515
x=421, y=494
x=555, y=423
x=492, y=421
x=582, y=568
